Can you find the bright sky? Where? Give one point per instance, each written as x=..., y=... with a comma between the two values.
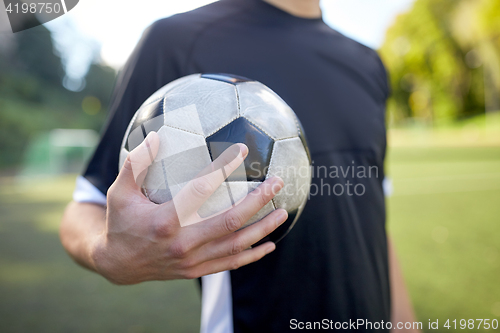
x=111, y=28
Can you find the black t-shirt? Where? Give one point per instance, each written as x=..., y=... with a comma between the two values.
x=333, y=265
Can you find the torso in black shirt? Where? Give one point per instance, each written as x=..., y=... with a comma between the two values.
x=333, y=265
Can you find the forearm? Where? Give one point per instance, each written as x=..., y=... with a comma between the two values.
x=81, y=226
x=402, y=310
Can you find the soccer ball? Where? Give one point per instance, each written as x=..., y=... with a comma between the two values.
x=197, y=117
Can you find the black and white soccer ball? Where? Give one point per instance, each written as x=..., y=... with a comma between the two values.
x=197, y=117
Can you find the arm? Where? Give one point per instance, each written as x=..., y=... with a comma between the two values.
x=401, y=309
x=135, y=240
x=81, y=226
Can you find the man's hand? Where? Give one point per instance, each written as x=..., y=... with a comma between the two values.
x=143, y=241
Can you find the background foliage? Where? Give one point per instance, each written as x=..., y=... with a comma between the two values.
x=32, y=97
x=443, y=57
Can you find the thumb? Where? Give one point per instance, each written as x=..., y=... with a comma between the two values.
x=136, y=165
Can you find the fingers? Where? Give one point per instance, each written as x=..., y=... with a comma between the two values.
x=232, y=262
x=136, y=165
x=236, y=217
x=237, y=242
x=194, y=194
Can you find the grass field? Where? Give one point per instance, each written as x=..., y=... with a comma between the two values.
x=42, y=290
x=443, y=216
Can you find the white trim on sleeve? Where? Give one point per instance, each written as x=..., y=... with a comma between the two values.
x=387, y=186
x=216, y=303
x=85, y=191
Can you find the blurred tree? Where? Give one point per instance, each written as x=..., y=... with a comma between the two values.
x=35, y=55
x=99, y=82
x=436, y=56
x=483, y=38
x=32, y=98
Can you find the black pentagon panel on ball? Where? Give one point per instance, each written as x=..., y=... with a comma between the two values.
x=302, y=136
x=259, y=144
x=281, y=231
x=228, y=78
x=149, y=118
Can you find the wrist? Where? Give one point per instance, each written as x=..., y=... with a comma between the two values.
x=97, y=251
x=109, y=262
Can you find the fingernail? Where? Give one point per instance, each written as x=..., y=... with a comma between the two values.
x=243, y=149
x=148, y=137
x=270, y=248
x=276, y=180
x=281, y=217
x=276, y=184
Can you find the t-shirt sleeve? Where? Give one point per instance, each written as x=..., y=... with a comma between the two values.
x=149, y=67
x=384, y=74
x=386, y=88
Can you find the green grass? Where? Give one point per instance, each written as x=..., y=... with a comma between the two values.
x=444, y=218
x=479, y=131
x=42, y=290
